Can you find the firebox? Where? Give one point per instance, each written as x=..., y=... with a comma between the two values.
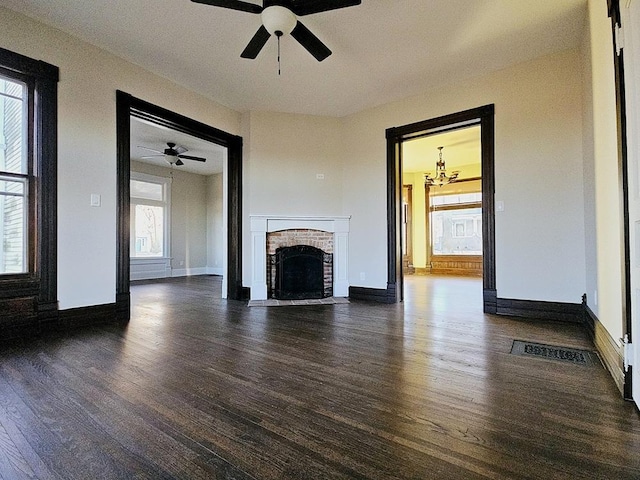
x=300, y=272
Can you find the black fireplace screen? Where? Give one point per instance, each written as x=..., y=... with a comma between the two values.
x=300, y=272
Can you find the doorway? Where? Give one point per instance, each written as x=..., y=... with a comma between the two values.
x=447, y=233
x=128, y=107
x=483, y=118
x=407, y=229
x=177, y=213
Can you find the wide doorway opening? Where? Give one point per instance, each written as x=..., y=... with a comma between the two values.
x=442, y=204
x=440, y=198
x=142, y=126
x=177, y=204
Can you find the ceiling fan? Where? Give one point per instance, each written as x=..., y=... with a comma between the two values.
x=173, y=154
x=280, y=17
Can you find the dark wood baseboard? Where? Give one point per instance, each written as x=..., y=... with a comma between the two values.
x=535, y=309
x=123, y=306
x=53, y=320
x=489, y=301
x=377, y=295
x=86, y=316
x=245, y=293
x=609, y=350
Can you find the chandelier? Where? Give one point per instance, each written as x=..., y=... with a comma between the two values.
x=440, y=178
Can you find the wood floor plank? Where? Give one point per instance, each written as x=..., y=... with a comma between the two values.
x=199, y=387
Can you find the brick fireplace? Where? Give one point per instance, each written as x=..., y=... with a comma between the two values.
x=328, y=234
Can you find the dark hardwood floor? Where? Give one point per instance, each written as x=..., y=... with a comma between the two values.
x=195, y=387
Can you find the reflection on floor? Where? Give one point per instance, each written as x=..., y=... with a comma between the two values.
x=199, y=387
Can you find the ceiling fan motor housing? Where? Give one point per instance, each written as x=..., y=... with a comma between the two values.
x=278, y=19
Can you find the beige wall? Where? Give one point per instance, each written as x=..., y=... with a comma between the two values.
x=602, y=188
x=283, y=155
x=89, y=78
x=418, y=218
x=215, y=225
x=540, y=235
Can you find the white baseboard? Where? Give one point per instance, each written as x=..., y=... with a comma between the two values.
x=186, y=272
x=149, y=268
x=215, y=271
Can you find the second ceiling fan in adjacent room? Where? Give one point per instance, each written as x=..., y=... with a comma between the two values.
x=173, y=154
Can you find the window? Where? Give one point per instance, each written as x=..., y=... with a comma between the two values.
x=456, y=223
x=150, y=206
x=28, y=192
x=14, y=177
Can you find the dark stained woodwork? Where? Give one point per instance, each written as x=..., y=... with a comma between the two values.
x=372, y=294
x=73, y=318
x=483, y=116
x=123, y=175
x=487, y=138
x=194, y=387
x=127, y=106
x=394, y=217
x=623, y=173
x=608, y=348
x=36, y=290
x=535, y=309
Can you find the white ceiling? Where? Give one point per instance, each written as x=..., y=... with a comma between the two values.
x=153, y=136
x=461, y=147
x=383, y=50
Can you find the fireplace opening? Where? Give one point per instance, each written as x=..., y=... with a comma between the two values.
x=300, y=272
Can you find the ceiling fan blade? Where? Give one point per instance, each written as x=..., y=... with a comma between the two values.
x=152, y=156
x=150, y=149
x=189, y=157
x=179, y=162
x=232, y=4
x=307, y=7
x=256, y=43
x=309, y=41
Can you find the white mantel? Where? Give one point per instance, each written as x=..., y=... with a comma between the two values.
x=263, y=224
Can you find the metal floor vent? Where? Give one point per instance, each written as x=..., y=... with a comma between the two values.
x=553, y=352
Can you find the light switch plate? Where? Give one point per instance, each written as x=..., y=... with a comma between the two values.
x=95, y=200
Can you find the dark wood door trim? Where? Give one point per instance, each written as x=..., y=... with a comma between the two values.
x=483, y=116
x=127, y=106
x=621, y=114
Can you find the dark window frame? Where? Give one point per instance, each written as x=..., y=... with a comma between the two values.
x=31, y=297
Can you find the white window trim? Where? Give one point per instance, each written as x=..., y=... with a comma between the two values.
x=166, y=185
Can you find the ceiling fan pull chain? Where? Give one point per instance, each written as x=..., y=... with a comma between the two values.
x=279, y=36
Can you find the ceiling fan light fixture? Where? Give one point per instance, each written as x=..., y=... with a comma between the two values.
x=278, y=19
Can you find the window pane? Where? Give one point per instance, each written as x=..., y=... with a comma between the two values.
x=148, y=231
x=12, y=230
x=454, y=199
x=456, y=232
x=12, y=125
x=14, y=187
x=147, y=190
